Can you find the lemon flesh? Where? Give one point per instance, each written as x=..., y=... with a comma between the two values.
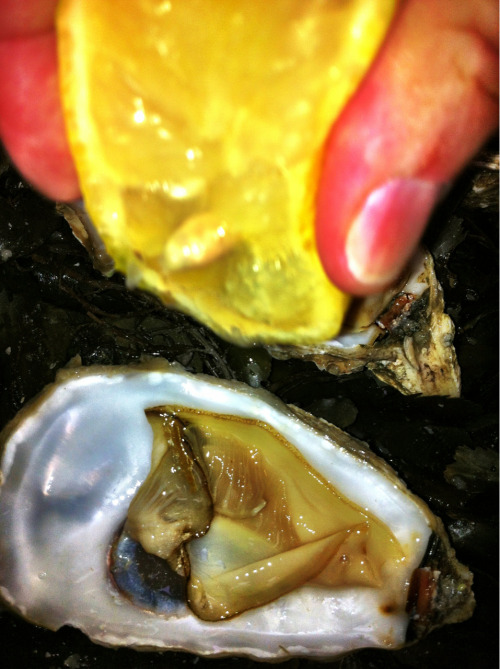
x=197, y=131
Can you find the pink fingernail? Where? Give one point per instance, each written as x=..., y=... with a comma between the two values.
x=389, y=226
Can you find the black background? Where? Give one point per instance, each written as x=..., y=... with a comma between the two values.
x=54, y=305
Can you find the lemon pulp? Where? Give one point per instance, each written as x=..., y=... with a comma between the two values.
x=197, y=131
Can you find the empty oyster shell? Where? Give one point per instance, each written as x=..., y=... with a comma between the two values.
x=274, y=534
x=403, y=336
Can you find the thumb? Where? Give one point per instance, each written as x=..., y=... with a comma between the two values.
x=426, y=106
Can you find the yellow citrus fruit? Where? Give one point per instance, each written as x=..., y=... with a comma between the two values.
x=197, y=129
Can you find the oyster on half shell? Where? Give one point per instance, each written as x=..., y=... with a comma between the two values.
x=156, y=509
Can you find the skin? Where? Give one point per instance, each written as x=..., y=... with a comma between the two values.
x=427, y=105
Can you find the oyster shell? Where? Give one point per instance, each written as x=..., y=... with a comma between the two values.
x=74, y=460
x=403, y=336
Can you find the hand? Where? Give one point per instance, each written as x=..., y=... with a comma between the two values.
x=31, y=122
x=427, y=105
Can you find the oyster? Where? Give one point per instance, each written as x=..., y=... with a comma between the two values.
x=294, y=539
x=403, y=336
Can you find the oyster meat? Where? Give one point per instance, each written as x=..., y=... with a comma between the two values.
x=161, y=510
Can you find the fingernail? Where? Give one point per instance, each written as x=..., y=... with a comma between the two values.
x=389, y=226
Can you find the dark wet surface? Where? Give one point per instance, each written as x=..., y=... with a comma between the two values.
x=54, y=305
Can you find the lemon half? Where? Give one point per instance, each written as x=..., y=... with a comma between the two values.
x=197, y=129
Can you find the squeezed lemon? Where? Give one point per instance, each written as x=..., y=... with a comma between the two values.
x=197, y=129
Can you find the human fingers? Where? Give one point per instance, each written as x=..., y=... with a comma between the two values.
x=31, y=121
x=427, y=105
